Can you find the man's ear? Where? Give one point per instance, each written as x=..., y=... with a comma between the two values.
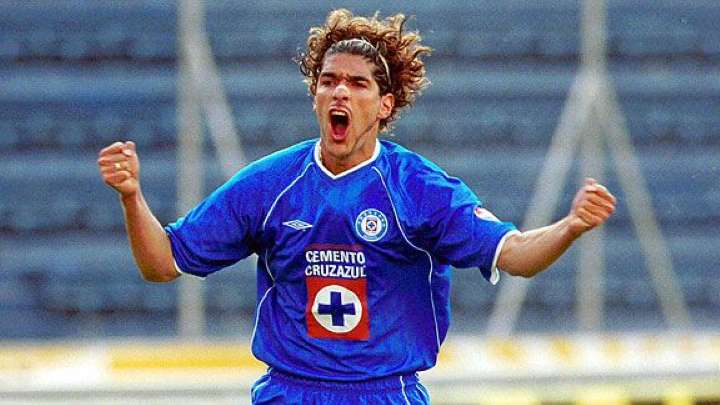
x=387, y=102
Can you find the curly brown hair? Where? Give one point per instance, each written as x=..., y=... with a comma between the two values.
x=382, y=42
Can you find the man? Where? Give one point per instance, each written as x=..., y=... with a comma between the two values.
x=355, y=236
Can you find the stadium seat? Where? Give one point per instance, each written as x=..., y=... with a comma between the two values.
x=559, y=45
x=224, y=298
x=72, y=134
x=694, y=129
x=154, y=46
x=106, y=128
x=229, y=300
x=619, y=318
x=415, y=126
x=657, y=43
x=33, y=324
x=9, y=135
x=110, y=41
x=290, y=127
x=105, y=217
x=17, y=293
x=470, y=292
x=29, y=219
x=75, y=46
x=37, y=130
x=694, y=289
x=10, y=47
x=710, y=44
x=41, y=44
x=165, y=127
x=546, y=320
x=264, y=43
x=488, y=44
x=139, y=131
x=138, y=325
x=160, y=298
x=443, y=42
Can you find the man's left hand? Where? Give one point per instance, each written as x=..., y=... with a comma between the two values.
x=592, y=206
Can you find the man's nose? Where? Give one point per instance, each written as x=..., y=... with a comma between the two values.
x=341, y=92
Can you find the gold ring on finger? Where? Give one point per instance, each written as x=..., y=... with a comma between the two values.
x=118, y=166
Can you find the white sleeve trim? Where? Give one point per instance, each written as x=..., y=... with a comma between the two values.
x=182, y=273
x=494, y=271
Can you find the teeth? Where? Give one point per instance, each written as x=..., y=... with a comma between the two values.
x=338, y=113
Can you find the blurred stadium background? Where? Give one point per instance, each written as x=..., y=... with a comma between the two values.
x=78, y=325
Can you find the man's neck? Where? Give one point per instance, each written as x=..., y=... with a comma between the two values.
x=338, y=167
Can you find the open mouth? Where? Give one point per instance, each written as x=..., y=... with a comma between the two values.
x=339, y=122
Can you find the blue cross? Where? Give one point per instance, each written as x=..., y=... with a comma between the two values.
x=337, y=309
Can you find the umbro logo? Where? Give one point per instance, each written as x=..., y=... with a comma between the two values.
x=297, y=224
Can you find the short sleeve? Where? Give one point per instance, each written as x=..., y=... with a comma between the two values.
x=457, y=229
x=469, y=240
x=218, y=232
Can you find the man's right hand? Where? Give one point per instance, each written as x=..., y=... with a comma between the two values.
x=120, y=168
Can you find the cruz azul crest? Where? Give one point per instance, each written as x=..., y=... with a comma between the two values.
x=371, y=225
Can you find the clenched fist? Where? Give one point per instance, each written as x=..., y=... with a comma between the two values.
x=592, y=206
x=120, y=168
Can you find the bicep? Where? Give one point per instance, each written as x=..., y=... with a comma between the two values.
x=508, y=255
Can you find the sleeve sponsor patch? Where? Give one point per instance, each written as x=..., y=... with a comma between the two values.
x=484, y=214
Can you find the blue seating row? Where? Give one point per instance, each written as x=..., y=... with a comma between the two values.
x=93, y=305
x=490, y=129
x=502, y=84
x=161, y=47
x=528, y=122
x=684, y=190
x=477, y=30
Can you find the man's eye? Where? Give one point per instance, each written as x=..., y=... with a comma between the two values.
x=326, y=82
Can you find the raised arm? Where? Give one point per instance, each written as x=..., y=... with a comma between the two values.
x=528, y=253
x=120, y=169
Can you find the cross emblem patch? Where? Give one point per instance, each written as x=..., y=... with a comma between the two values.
x=337, y=308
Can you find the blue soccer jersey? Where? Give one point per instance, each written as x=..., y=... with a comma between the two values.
x=353, y=269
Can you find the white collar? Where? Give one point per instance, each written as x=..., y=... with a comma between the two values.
x=319, y=162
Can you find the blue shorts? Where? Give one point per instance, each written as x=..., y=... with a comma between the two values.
x=276, y=387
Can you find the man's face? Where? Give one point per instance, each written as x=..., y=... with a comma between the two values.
x=349, y=108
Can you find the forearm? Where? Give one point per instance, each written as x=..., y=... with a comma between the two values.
x=531, y=252
x=149, y=243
